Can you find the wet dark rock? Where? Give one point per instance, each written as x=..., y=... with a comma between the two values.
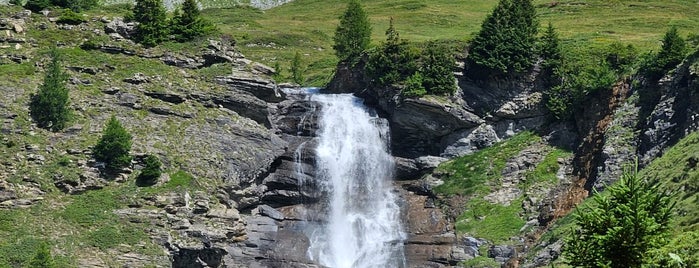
x=166, y=97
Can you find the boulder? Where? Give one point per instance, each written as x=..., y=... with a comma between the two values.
x=263, y=89
x=118, y=26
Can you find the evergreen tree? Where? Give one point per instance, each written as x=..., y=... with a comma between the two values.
x=42, y=258
x=37, y=5
x=353, y=34
x=296, y=69
x=413, y=86
x=114, y=146
x=152, y=19
x=506, y=41
x=673, y=50
x=550, y=53
x=151, y=171
x=622, y=225
x=187, y=24
x=49, y=107
x=438, y=70
x=393, y=61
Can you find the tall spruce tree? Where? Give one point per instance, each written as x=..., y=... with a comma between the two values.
x=49, y=107
x=506, y=41
x=188, y=24
x=550, y=53
x=114, y=146
x=152, y=22
x=353, y=34
x=297, y=69
x=621, y=226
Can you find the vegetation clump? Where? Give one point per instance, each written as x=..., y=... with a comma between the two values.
x=187, y=23
x=297, y=69
x=49, y=107
x=151, y=171
x=353, y=34
x=506, y=42
x=114, y=146
x=152, y=22
x=672, y=52
x=622, y=226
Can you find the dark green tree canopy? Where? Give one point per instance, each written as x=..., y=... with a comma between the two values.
x=151, y=171
x=506, y=42
x=114, y=146
x=550, y=53
x=437, y=69
x=622, y=226
x=394, y=60
x=49, y=107
x=152, y=19
x=188, y=24
x=673, y=50
x=353, y=34
x=297, y=69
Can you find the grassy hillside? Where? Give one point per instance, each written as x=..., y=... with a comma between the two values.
x=307, y=26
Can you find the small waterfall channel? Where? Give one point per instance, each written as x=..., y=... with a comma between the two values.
x=359, y=216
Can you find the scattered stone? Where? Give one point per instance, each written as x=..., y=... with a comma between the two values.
x=268, y=211
x=137, y=79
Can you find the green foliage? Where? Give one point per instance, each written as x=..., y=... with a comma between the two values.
x=114, y=146
x=672, y=53
x=480, y=262
x=297, y=69
x=152, y=19
x=353, y=34
x=413, y=86
x=620, y=57
x=277, y=76
x=506, y=42
x=76, y=5
x=552, y=58
x=112, y=235
x=546, y=171
x=70, y=17
x=622, y=226
x=437, y=68
x=467, y=174
x=682, y=251
x=37, y=5
x=188, y=24
x=49, y=107
x=151, y=171
x=91, y=208
x=393, y=61
x=42, y=258
x=17, y=2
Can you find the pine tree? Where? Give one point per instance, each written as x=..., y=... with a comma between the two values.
x=42, y=258
x=673, y=50
x=353, y=34
x=152, y=19
x=550, y=53
x=438, y=70
x=622, y=225
x=114, y=146
x=506, y=41
x=296, y=69
x=49, y=107
x=188, y=24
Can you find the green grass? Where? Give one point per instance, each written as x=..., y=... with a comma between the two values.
x=307, y=26
x=468, y=174
x=545, y=172
x=494, y=222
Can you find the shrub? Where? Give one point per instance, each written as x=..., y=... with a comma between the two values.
x=151, y=171
x=37, y=5
x=296, y=69
x=42, y=258
x=672, y=53
x=114, y=146
x=620, y=57
x=49, y=107
x=70, y=17
x=353, y=34
x=413, y=86
x=76, y=5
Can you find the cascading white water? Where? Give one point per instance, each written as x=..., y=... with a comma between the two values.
x=354, y=166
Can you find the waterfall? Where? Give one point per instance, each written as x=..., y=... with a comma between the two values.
x=361, y=217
